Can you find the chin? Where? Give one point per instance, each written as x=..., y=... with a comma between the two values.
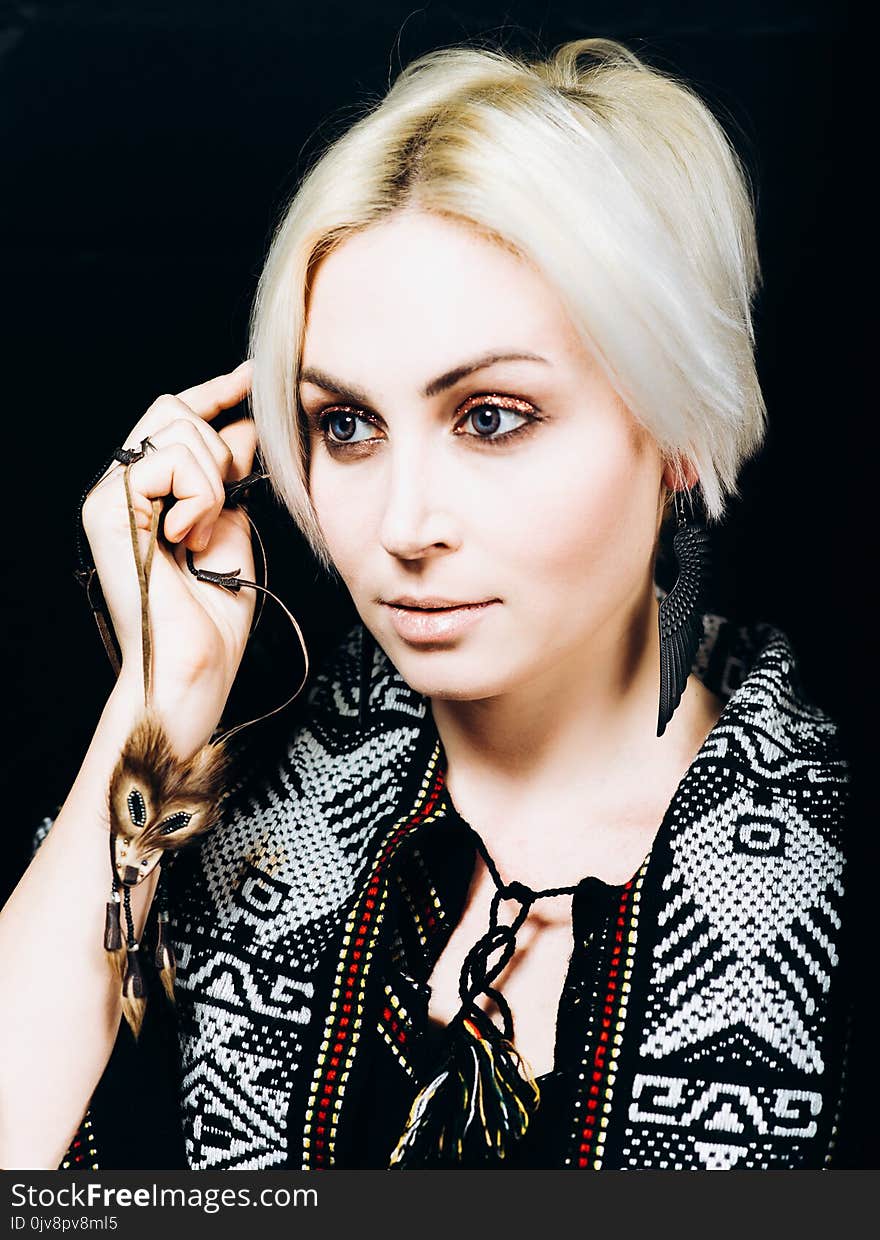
x=447, y=673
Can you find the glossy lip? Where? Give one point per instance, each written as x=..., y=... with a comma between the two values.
x=424, y=627
x=433, y=602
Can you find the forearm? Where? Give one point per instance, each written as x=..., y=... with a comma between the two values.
x=60, y=996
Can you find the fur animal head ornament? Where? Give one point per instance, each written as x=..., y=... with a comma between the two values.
x=156, y=801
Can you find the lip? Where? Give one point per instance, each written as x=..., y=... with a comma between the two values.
x=433, y=602
x=439, y=624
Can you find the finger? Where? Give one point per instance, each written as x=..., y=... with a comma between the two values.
x=217, y=455
x=238, y=444
x=173, y=470
x=169, y=411
x=206, y=446
x=241, y=438
x=201, y=402
x=208, y=399
x=206, y=451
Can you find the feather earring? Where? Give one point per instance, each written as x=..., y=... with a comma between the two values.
x=156, y=802
x=681, y=613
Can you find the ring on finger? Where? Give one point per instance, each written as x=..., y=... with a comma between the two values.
x=127, y=456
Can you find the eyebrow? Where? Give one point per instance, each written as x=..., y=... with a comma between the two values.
x=311, y=374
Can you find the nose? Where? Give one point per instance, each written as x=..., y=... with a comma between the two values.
x=418, y=514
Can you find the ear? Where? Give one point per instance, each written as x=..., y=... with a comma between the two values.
x=674, y=480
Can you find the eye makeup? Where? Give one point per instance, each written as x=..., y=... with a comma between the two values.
x=494, y=403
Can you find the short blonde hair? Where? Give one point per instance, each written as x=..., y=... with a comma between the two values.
x=612, y=177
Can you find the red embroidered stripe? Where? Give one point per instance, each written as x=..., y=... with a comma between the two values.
x=600, y=1068
x=347, y=1000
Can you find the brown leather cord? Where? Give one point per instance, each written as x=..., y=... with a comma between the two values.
x=143, y=572
x=230, y=581
x=233, y=583
x=87, y=575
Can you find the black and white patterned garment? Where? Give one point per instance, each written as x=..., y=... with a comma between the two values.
x=718, y=1021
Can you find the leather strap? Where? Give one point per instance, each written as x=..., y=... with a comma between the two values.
x=86, y=574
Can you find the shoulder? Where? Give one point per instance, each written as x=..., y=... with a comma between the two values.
x=760, y=820
x=747, y=914
x=770, y=729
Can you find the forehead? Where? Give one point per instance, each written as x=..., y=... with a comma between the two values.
x=427, y=287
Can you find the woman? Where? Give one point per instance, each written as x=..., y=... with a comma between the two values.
x=492, y=905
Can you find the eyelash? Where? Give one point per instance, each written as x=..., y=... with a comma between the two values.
x=511, y=404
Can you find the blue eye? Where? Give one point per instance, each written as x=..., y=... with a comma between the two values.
x=491, y=423
x=484, y=414
x=346, y=416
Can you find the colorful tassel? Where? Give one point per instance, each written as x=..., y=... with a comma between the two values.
x=482, y=1101
x=477, y=1107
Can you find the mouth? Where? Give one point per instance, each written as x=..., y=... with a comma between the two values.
x=433, y=602
x=441, y=621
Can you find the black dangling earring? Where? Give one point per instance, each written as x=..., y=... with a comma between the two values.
x=681, y=612
x=368, y=647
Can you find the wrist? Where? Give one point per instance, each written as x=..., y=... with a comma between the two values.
x=188, y=711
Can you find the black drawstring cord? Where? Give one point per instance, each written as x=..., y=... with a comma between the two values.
x=477, y=974
x=481, y=1099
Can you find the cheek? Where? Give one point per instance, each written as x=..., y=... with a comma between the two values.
x=582, y=509
x=336, y=507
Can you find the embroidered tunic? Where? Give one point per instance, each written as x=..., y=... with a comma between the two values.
x=703, y=1023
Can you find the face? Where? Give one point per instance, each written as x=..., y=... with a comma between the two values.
x=523, y=486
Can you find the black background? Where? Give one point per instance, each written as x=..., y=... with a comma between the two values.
x=148, y=149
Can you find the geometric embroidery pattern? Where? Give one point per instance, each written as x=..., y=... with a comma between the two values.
x=744, y=956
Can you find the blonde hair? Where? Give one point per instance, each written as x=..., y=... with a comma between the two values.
x=612, y=177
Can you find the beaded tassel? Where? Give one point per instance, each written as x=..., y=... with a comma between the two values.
x=134, y=995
